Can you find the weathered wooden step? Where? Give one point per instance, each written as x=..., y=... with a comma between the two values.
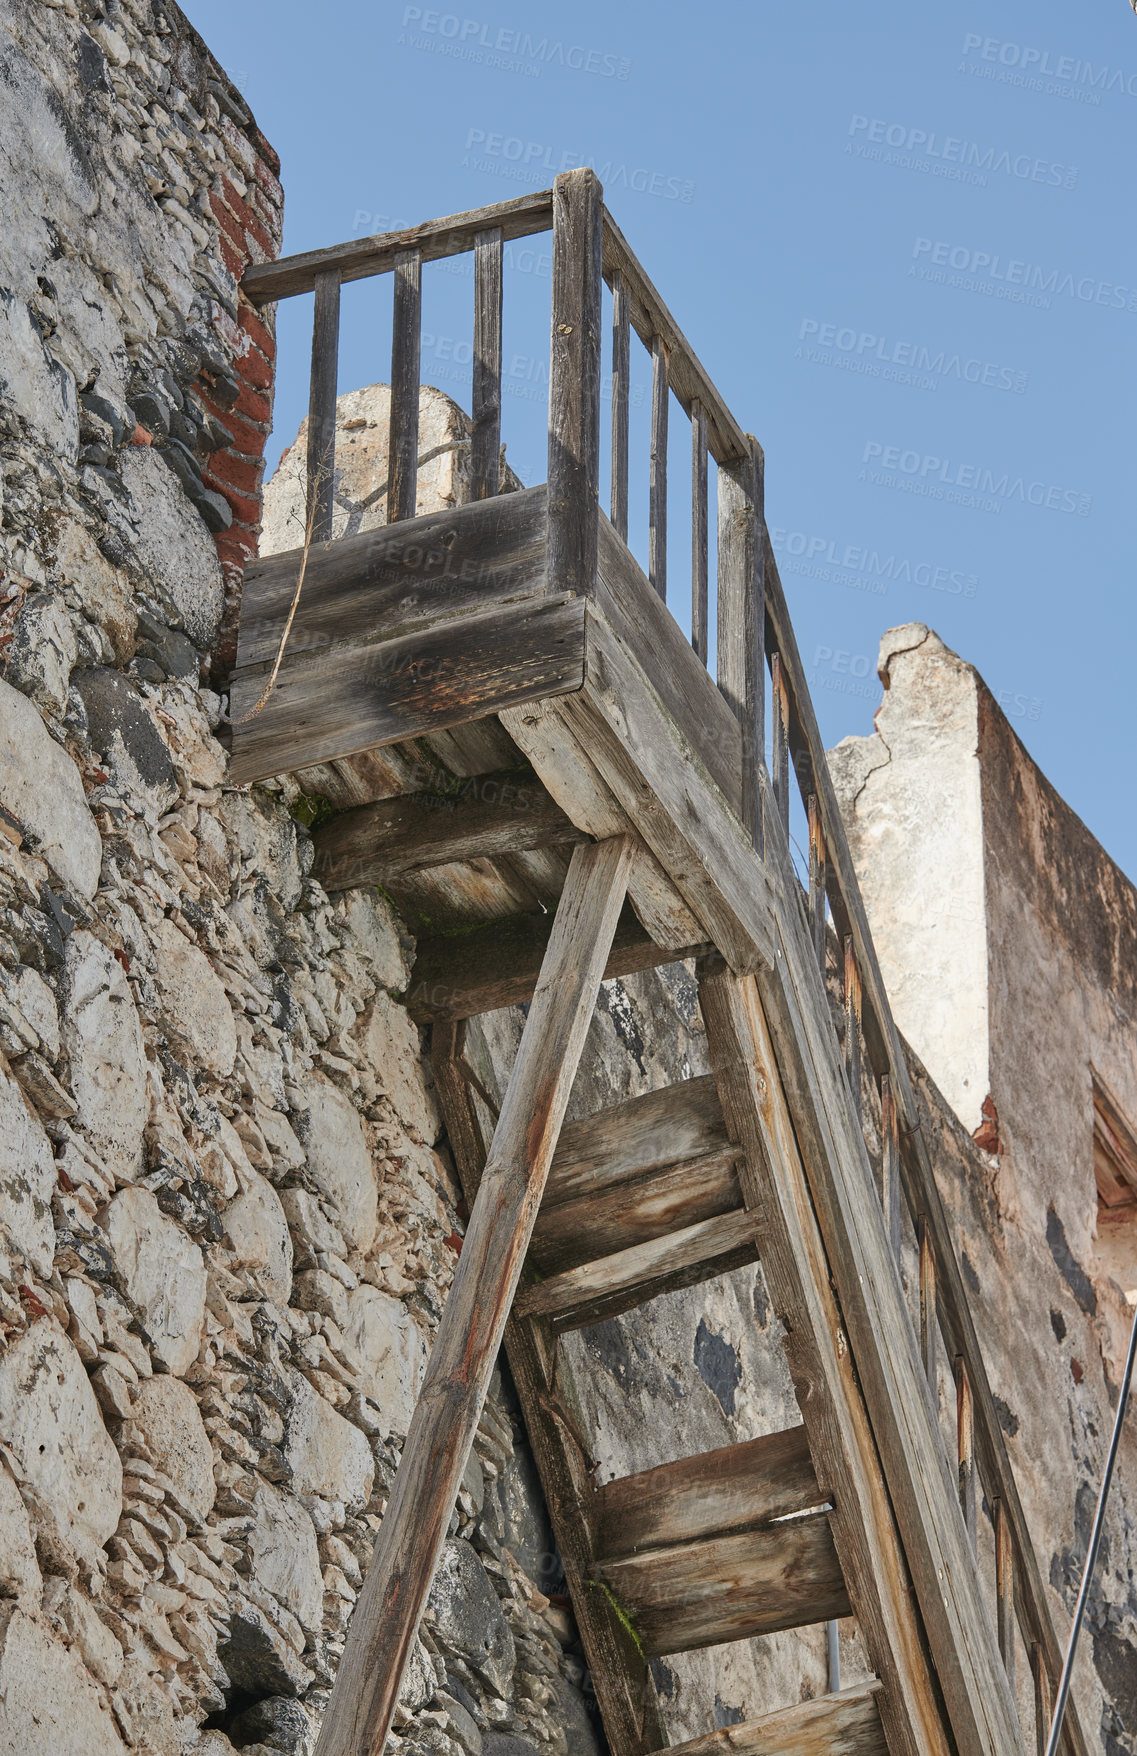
x=487, y=815
x=629, y=1278
x=642, y=1170
x=710, y=1555
x=733, y=1488
x=497, y=965
x=844, y=1724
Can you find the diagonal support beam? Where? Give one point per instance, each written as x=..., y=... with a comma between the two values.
x=386, y=1619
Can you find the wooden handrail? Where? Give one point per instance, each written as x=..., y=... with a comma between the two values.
x=886, y=1056
x=360, y=257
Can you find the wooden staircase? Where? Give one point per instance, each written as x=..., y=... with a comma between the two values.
x=624, y=815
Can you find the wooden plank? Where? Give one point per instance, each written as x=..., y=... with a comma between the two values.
x=358, y=258
x=735, y=1487
x=543, y=1376
x=644, y=756
x=929, y=1321
x=905, y=1420
x=700, y=534
x=887, y=1056
x=1043, y=1699
x=797, y=1274
x=634, y=1210
x=613, y=1284
x=1005, y=1591
x=852, y=987
x=657, y=476
x=965, y=1449
x=730, y=1588
x=647, y=627
x=485, y=434
x=321, y=454
x=650, y=317
x=570, y=778
x=741, y=624
x=679, y=1122
x=847, y=1724
x=384, y=582
x=817, y=920
x=497, y=966
x=328, y=704
x=574, y=382
x=406, y=341
x=621, y=368
x=890, y=1173
x=454, y=899
x=486, y=815
x=383, y=1627
x=779, y=741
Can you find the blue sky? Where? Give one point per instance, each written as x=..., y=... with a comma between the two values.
x=901, y=239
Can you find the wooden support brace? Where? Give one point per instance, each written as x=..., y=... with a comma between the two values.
x=387, y=1615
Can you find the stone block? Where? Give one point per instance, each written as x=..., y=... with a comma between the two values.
x=195, y=1006
x=103, y=1039
x=166, y=1429
x=285, y=1557
x=40, y=786
x=389, y=1042
x=338, y=1159
x=27, y=1180
x=257, y=1657
x=326, y=1454
x=123, y=732
x=467, y=1617
x=391, y=1351
x=256, y=1230
x=20, y=1576
x=162, y=1274
x=48, y=1703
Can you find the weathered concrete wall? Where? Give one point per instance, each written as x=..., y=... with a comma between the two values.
x=227, y=1221
x=1046, y=943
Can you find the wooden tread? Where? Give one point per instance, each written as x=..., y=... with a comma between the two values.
x=844, y=1724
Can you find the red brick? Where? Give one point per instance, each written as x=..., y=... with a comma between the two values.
x=254, y=405
x=235, y=547
x=256, y=331
x=234, y=262
x=248, y=511
x=227, y=222
x=235, y=472
x=255, y=370
x=247, y=217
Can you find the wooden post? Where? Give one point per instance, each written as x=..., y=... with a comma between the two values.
x=382, y=1631
x=574, y=382
x=965, y=1435
x=485, y=438
x=742, y=620
x=1005, y=1591
x=780, y=740
x=621, y=366
x=402, y=451
x=1043, y=1699
x=853, y=1026
x=929, y=1319
x=322, y=406
x=890, y=1165
x=657, y=494
x=817, y=877
x=700, y=537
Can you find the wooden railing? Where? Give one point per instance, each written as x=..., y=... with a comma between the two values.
x=753, y=630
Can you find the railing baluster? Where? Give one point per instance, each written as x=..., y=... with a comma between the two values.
x=322, y=406
x=928, y=1317
x=853, y=1024
x=402, y=454
x=1043, y=1698
x=621, y=366
x=742, y=619
x=890, y=1168
x=965, y=1434
x=485, y=438
x=574, y=382
x=780, y=734
x=817, y=880
x=1005, y=1591
x=657, y=507
x=700, y=536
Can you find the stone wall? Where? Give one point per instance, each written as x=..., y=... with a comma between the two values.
x=227, y=1220
x=991, y=904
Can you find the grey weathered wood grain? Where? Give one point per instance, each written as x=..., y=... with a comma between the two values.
x=678, y=1122
x=385, y=1622
x=846, y=1724
x=890, y=1165
x=779, y=741
x=321, y=455
x=626, y=1210
x=965, y=1449
x=796, y=1269
x=330, y=703
x=650, y=317
x=736, y=1487
x=741, y=622
x=358, y=258
x=486, y=815
x=730, y=1587
x=485, y=434
x=817, y=875
x=852, y=987
x=613, y=1284
x=406, y=341
x=621, y=367
x=700, y=534
x=497, y=965
x=657, y=472
x=574, y=382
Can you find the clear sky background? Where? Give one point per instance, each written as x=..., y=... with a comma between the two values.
x=901, y=239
